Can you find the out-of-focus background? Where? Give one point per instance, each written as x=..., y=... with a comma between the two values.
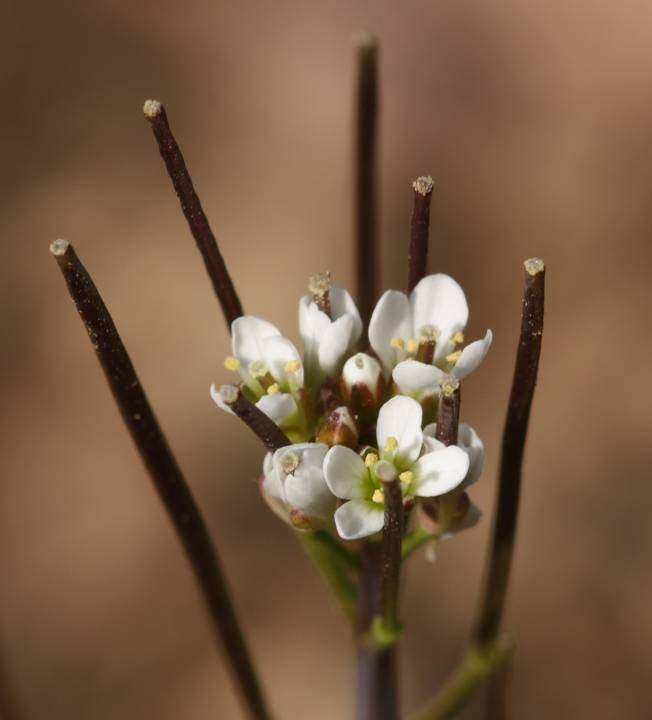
x=535, y=120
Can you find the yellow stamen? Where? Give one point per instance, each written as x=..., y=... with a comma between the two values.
x=231, y=363
x=378, y=497
x=371, y=459
x=412, y=345
x=453, y=357
x=273, y=389
x=397, y=342
x=406, y=478
x=456, y=339
x=292, y=366
x=391, y=444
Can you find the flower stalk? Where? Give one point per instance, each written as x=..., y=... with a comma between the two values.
x=377, y=682
x=198, y=222
x=367, y=265
x=267, y=431
x=448, y=413
x=391, y=562
x=419, y=231
x=489, y=651
x=513, y=446
x=166, y=475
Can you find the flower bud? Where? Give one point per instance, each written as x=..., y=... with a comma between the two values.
x=301, y=521
x=448, y=514
x=338, y=428
x=362, y=382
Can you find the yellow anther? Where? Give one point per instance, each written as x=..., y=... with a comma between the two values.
x=378, y=497
x=406, y=478
x=292, y=366
x=391, y=444
x=453, y=357
x=231, y=363
x=273, y=389
x=371, y=459
x=412, y=345
x=359, y=362
x=397, y=342
x=456, y=339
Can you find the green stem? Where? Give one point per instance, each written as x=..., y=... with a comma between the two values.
x=414, y=540
x=334, y=564
x=477, y=665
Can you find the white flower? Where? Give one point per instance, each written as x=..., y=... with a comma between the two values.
x=327, y=340
x=294, y=486
x=270, y=367
x=417, y=338
x=421, y=470
x=453, y=512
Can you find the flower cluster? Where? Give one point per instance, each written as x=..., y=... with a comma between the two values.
x=357, y=420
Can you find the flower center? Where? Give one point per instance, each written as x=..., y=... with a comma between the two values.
x=259, y=370
x=289, y=462
x=385, y=471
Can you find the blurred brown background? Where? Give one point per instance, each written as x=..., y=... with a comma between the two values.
x=535, y=120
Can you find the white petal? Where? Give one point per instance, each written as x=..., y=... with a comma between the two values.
x=306, y=325
x=219, y=401
x=440, y=472
x=345, y=472
x=334, y=344
x=248, y=334
x=438, y=300
x=342, y=304
x=391, y=318
x=359, y=518
x=272, y=486
x=431, y=444
x=278, y=351
x=312, y=321
x=268, y=463
x=429, y=430
x=277, y=407
x=472, y=355
x=306, y=491
x=312, y=454
x=401, y=418
x=469, y=441
x=415, y=376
